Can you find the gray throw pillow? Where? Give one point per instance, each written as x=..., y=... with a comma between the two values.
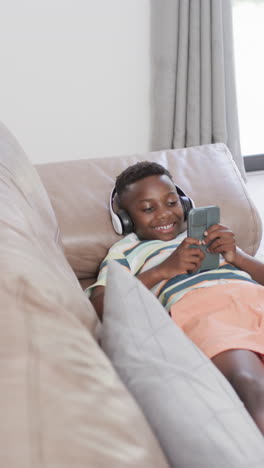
x=196, y=415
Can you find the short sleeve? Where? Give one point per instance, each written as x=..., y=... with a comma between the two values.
x=115, y=253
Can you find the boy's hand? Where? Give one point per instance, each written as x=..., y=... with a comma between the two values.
x=220, y=239
x=184, y=259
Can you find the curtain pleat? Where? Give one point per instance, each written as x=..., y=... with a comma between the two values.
x=219, y=130
x=206, y=66
x=194, y=77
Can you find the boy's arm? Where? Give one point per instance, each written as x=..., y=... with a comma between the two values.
x=223, y=242
x=184, y=259
x=251, y=265
x=97, y=299
x=151, y=277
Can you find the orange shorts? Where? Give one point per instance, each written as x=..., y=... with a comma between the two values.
x=222, y=317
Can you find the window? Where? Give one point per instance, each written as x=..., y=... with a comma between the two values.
x=248, y=20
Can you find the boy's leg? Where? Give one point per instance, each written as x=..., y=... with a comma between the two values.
x=245, y=372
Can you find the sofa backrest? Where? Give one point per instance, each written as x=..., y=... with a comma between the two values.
x=79, y=193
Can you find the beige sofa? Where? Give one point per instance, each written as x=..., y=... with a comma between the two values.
x=62, y=403
x=79, y=194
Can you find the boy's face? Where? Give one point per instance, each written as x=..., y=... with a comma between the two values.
x=155, y=208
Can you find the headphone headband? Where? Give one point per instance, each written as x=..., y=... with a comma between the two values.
x=123, y=224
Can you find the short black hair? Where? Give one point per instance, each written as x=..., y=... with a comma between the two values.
x=138, y=171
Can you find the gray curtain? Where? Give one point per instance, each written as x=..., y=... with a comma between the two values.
x=193, y=80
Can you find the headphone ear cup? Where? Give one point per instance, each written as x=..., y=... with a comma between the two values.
x=121, y=221
x=187, y=205
x=187, y=202
x=126, y=222
x=117, y=225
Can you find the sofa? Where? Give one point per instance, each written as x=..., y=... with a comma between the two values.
x=65, y=401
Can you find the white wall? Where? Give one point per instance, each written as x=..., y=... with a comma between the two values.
x=74, y=76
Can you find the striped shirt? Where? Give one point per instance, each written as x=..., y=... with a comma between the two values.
x=138, y=256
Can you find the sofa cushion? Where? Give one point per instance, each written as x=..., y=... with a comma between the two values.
x=194, y=412
x=62, y=403
x=79, y=192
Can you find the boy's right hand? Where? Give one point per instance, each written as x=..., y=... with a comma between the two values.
x=184, y=259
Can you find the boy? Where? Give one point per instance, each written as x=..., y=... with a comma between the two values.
x=222, y=311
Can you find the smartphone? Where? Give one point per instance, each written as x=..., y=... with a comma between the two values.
x=199, y=220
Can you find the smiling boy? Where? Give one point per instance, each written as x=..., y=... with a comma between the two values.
x=222, y=311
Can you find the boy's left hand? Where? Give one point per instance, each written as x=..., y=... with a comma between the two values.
x=221, y=240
